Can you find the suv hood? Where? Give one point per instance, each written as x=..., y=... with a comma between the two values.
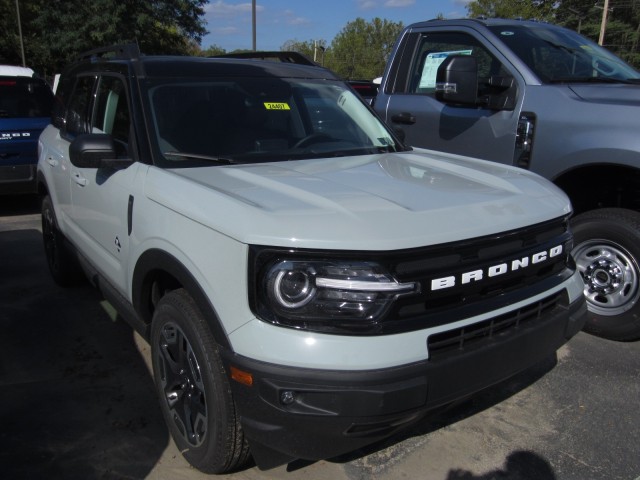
x=375, y=202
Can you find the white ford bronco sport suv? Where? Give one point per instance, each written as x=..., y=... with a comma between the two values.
x=308, y=285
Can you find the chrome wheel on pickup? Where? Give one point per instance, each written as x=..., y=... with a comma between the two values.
x=607, y=254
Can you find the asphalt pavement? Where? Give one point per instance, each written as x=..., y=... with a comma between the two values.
x=77, y=399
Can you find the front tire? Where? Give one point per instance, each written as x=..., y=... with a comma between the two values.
x=194, y=390
x=607, y=253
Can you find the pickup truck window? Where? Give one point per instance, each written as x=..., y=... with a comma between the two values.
x=433, y=48
x=557, y=55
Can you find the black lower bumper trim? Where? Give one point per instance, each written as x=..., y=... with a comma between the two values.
x=316, y=414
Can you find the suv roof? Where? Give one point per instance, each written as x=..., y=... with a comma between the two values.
x=185, y=66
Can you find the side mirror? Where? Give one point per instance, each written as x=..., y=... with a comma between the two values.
x=94, y=150
x=457, y=80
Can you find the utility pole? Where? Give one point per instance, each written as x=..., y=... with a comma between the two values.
x=24, y=62
x=603, y=25
x=253, y=21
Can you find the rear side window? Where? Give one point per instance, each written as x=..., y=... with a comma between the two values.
x=24, y=97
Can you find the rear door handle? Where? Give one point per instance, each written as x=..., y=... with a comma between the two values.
x=404, y=118
x=52, y=161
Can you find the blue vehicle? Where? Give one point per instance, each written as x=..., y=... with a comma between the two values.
x=25, y=110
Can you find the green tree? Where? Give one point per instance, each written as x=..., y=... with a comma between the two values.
x=312, y=49
x=529, y=9
x=56, y=31
x=361, y=49
x=622, y=30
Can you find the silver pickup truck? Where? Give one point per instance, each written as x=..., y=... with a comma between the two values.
x=548, y=100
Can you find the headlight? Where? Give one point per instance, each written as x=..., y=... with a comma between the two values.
x=326, y=295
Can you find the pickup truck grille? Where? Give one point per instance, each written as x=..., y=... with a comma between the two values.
x=469, y=278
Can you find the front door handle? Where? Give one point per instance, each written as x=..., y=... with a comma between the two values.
x=404, y=117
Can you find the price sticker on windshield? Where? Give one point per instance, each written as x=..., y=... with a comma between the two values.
x=276, y=106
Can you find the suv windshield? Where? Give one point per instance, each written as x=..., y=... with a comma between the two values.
x=24, y=97
x=560, y=55
x=262, y=119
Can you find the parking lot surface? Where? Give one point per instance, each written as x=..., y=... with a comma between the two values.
x=78, y=400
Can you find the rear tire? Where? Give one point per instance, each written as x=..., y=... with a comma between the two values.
x=62, y=264
x=607, y=253
x=193, y=387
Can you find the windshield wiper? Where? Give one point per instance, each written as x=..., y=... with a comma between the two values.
x=198, y=156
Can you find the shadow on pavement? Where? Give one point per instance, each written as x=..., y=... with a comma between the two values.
x=11, y=205
x=376, y=456
x=520, y=465
x=77, y=399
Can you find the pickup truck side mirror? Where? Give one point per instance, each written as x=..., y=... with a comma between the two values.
x=457, y=80
x=95, y=150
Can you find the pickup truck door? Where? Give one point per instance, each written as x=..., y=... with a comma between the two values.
x=408, y=98
x=101, y=198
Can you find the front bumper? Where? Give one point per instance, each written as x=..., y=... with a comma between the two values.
x=289, y=413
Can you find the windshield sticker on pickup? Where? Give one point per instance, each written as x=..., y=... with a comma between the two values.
x=507, y=33
x=276, y=106
x=431, y=64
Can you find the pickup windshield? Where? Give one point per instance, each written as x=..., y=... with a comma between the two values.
x=562, y=56
x=265, y=119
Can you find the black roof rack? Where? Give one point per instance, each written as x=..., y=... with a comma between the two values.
x=128, y=51
x=281, y=56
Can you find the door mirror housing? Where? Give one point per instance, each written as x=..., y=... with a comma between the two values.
x=95, y=150
x=457, y=80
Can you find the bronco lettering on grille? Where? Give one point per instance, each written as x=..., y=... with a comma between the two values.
x=495, y=270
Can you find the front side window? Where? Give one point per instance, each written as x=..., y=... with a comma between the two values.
x=432, y=50
x=111, y=112
x=263, y=119
x=78, y=114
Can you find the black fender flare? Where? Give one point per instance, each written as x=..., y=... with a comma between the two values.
x=159, y=260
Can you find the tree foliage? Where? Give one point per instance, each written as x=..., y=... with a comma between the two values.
x=361, y=49
x=56, y=31
x=527, y=9
x=622, y=30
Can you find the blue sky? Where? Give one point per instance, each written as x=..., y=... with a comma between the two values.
x=229, y=21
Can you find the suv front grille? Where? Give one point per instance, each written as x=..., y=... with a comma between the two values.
x=480, y=333
x=441, y=306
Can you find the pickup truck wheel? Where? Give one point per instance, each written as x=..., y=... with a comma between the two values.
x=607, y=253
x=62, y=264
x=194, y=390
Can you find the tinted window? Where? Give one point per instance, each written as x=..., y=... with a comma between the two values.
x=78, y=117
x=557, y=55
x=262, y=119
x=24, y=97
